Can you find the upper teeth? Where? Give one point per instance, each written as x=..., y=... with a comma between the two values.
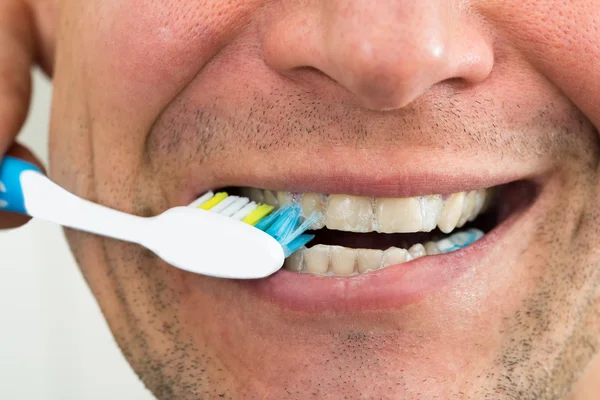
x=384, y=215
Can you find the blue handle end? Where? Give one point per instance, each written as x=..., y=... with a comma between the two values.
x=11, y=192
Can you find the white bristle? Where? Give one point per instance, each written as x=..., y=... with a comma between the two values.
x=243, y=213
x=235, y=207
x=201, y=200
x=223, y=204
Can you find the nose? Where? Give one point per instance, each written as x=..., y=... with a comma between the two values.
x=386, y=53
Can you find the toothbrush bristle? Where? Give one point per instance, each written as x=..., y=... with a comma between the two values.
x=259, y=213
x=213, y=201
x=297, y=244
x=245, y=211
x=223, y=204
x=286, y=227
x=284, y=224
x=235, y=207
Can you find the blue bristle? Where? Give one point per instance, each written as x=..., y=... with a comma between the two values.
x=297, y=244
x=302, y=228
x=266, y=222
x=285, y=226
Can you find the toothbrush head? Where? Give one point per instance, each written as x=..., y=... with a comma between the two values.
x=285, y=224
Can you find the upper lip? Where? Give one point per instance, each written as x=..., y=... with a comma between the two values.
x=394, y=174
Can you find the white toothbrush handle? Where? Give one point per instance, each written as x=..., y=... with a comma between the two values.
x=24, y=189
x=46, y=200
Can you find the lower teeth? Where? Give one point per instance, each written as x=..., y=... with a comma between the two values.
x=343, y=261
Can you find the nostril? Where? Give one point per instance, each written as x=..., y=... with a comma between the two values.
x=381, y=55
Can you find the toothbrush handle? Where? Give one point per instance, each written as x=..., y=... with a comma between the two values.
x=11, y=191
x=25, y=190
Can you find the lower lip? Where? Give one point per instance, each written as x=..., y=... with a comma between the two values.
x=392, y=287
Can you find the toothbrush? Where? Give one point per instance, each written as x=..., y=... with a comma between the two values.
x=217, y=235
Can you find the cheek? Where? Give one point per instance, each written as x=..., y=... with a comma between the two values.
x=139, y=54
x=560, y=38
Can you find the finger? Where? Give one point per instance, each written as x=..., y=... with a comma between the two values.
x=44, y=14
x=16, y=57
x=19, y=151
x=11, y=220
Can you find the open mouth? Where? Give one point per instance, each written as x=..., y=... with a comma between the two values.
x=359, y=235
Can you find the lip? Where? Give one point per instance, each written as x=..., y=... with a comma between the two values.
x=375, y=175
x=393, y=287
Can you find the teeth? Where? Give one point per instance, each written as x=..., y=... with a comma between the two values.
x=451, y=212
x=398, y=215
x=468, y=205
x=316, y=259
x=284, y=198
x=431, y=248
x=349, y=213
x=257, y=195
x=489, y=197
x=431, y=208
x=342, y=260
x=294, y=262
x=394, y=255
x=311, y=203
x=369, y=260
x=271, y=198
x=383, y=215
x=480, y=199
x=417, y=251
x=445, y=245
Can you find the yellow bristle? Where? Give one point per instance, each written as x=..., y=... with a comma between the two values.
x=259, y=213
x=216, y=199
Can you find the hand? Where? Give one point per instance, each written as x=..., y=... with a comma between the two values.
x=27, y=30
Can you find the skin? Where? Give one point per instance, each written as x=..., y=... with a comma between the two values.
x=157, y=101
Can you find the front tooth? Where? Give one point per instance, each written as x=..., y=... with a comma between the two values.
x=369, y=260
x=468, y=206
x=294, y=262
x=431, y=248
x=431, y=208
x=284, y=198
x=311, y=203
x=349, y=213
x=417, y=251
x=394, y=255
x=451, y=212
x=342, y=260
x=256, y=195
x=316, y=259
x=271, y=198
x=398, y=215
x=480, y=196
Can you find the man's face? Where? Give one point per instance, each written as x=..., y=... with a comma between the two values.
x=157, y=102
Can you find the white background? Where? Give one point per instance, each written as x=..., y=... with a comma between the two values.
x=54, y=342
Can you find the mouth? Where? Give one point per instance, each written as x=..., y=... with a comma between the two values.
x=376, y=252
x=356, y=235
